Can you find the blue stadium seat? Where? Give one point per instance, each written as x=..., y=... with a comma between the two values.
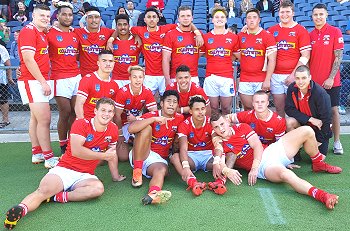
x=202, y=26
x=268, y=19
x=298, y=13
x=201, y=15
x=300, y=19
x=109, y=23
x=332, y=13
x=345, y=12
x=342, y=25
x=199, y=20
x=306, y=8
x=301, y=5
x=339, y=18
x=308, y=24
x=112, y=8
x=340, y=8
x=231, y=21
x=268, y=25
x=347, y=49
x=332, y=5
x=105, y=17
x=265, y=14
x=169, y=11
x=313, y=2
x=13, y=23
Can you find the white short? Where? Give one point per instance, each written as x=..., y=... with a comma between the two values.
x=275, y=155
x=200, y=158
x=155, y=83
x=249, y=88
x=68, y=87
x=70, y=177
x=31, y=91
x=152, y=158
x=215, y=86
x=122, y=83
x=126, y=133
x=277, y=84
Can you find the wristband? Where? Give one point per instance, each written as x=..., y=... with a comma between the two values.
x=303, y=60
x=185, y=164
x=216, y=160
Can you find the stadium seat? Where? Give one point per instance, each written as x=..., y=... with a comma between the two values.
x=340, y=8
x=201, y=15
x=265, y=14
x=199, y=20
x=109, y=23
x=169, y=11
x=231, y=21
x=308, y=24
x=268, y=19
x=313, y=2
x=346, y=38
x=347, y=49
x=332, y=5
x=339, y=18
x=346, y=57
x=112, y=8
x=332, y=13
x=13, y=23
x=298, y=13
x=268, y=25
x=202, y=61
x=300, y=19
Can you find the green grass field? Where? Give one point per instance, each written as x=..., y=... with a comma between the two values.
x=265, y=206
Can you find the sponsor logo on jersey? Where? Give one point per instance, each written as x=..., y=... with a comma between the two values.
x=258, y=41
x=59, y=38
x=146, y=35
x=155, y=47
x=326, y=37
x=128, y=101
x=102, y=37
x=189, y=49
x=93, y=49
x=69, y=50
x=108, y=139
x=97, y=87
x=44, y=51
x=228, y=40
x=180, y=38
x=115, y=46
x=125, y=58
x=89, y=137
x=251, y=52
x=275, y=33
x=85, y=36
x=220, y=51
x=132, y=47
x=243, y=39
x=292, y=33
x=284, y=45
x=200, y=144
x=210, y=40
x=164, y=140
x=191, y=134
x=94, y=100
x=96, y=149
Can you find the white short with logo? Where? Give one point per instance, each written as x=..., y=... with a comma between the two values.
x=273, y=155
x=152, y=158
x=249, y=88
x=277, y=84
x=126, y=133
x=122, y=83
x=215, y=86
x=32, y=92
x=155, y=83
x=70, y=177
x=200, y=158
x=67, y=87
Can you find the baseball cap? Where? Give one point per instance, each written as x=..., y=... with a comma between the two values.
x=16, y=28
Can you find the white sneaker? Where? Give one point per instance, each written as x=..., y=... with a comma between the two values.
x=38, y=158
x=342, y=110
x=52, y=162
x=338, y=148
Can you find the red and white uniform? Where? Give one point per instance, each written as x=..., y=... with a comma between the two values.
x=254, y=48
x=183, y=49
x=134, y=104
x=163, y=137
x=126, y=54
x=31, y=39
x=157, y=3
x=269, y=131
x=198, y=139
x=290, y=43
x=63, y=51
x=152, y=47
x=91, y=43
x=95, y=141
x=195, y=89
x=324, y=42
x=92, y=88
x=219, y=50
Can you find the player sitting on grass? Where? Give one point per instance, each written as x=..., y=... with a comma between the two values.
x=269, y=163
x=154, y=135
x=73, y=178
x=196, y=148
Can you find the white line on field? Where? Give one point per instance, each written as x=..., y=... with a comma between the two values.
x=273, y=212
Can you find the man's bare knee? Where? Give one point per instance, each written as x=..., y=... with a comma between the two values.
x=97, y=189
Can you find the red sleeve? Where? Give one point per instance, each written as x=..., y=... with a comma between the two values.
x=150, y=101
x=236, y=44
x=167, y=43
x=338, y=40
x=270, y=41
x=281, y=128
x=246, y=130
x=114, y=133
x=27, y=39
x=120, y=98
x=84, y=87
x=183, y=128
x=168, y=27
x=241, y=116
x=304, y=39
x=137, y=30
x=79, y=127
x=148, y=115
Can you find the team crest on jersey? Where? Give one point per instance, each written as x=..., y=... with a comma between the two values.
x=162, y=35
x=180, y=38
x=230, y=146
x=146, y=35
x=174, y=128
x=96, y=149
x=102, y=37
x=59, y=38
x=275, y=33
x=210, y=40
x=89, y=137
x=85, y=36
x=132, y=47
x=258, y=41
x=158, y=127
x=252, y=125
x=270, y=130
x=75, y=39
x=326, y=37
x=292, y=33
x=108, y=139
x=124, y=89
x=228, y=40
x=115, y=46
x=111, y=91
x=191, y=134
x=243, y=39
x=128, y=101
x=97, y=87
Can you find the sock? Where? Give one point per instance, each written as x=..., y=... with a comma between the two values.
x=63, y=142
x=138, y=164
x=191, y=181
x=316, y=193
x=61, y=197
x=24, y=209
x=319, y=157
x=221, y=180
x=36, y=150
x=48, y=154
x=154, y=188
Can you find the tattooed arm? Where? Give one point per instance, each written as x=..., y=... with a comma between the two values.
x=328, y=83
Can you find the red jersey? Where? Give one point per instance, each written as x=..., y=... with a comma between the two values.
x=269, y=131
x=91, y=43
x=31, y=39
x=219, y=49
x=92, y=88
x=163, y=137
x=157, y=3
x=126, y=54
x=324, y=42
x=195, y=89
x=291, y=42
x=253, y=48
x=182, y=46
x=152, y=46
x=63, y=51
x=198, y=139
x=95, y=141
x=134, y=104
x=238, y=144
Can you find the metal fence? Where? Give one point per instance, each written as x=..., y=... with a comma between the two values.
x=19, y=114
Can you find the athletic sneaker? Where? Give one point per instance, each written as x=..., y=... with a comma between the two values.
x=330, y=200
x=337, y=148
x=342, y=110
x=38, y=158
x=198, y=188
x=324, y=167
x=13, y=215
x=217, y=188
x=52, y=162
x=136, y=180
x=156, y=197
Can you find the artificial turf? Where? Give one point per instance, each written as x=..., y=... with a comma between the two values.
x=120, y=208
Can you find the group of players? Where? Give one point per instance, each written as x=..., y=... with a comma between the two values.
x=118, y=90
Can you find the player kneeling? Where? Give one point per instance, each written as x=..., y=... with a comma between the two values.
x=73, y=178
x=270, y=163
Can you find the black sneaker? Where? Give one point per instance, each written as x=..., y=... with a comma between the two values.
x=13, y=215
